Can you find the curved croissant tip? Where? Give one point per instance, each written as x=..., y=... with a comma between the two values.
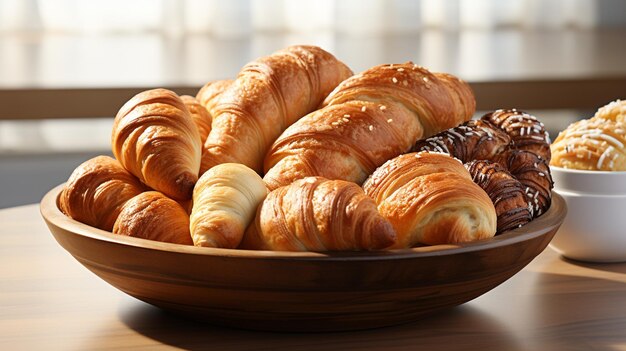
x=185, y=184
x=383, y=234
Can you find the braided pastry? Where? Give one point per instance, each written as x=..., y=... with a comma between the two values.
x=525, y=130
x=155, y=139
x=472, y=140
x=97, y=190
x=430, y=198
x=316, y=214
x=370, y=118
x=506, y=193
x=268, y=96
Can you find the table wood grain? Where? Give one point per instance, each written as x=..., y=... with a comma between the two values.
x=49, y=301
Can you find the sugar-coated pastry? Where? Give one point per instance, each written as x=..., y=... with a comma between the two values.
x=525, y=130
x=367, y=120
x=267, y=96
x=317, y=214
x=225, y=200
x=507, y=193
x=430, y=198
x=154, y=138
x=152, y=215
x=591, y=144
x=472, y=140
x=614, y=111
x=96, y=191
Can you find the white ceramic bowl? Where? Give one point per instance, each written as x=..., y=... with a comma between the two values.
x=595, y=227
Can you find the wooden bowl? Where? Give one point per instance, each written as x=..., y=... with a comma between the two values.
x=284, y=291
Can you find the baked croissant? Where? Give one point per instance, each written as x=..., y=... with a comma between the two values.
x=269, y=95
x=316, y=214
x=97, y=190
x=534, y=173
x=152, y=215
x=525, y=130
x=225, y=200
x=472, y=140
x=506, y=193
x=430, y=198
x=154, y=138
x=368, y=119
x=210, y=93
x=200, y=116
x=614, y=111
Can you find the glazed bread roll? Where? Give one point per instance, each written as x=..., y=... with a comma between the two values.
x=430, y=198
x=200, y=116
x=505, y=191
x=367, y=120
x=596, y=144
x=225, y=200
x=96, y=191
x=154, y=138
x=152, y=215
x=267, y=96
x=316, y=214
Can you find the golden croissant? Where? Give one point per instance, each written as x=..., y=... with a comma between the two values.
x=154, y=138
x=96, y=191
x=209, y=94
x=268, y=95
x=152, y=215
x=225, y=200
x=367, y=120
x=430, y=198
x=201, y=117
x=316, y=214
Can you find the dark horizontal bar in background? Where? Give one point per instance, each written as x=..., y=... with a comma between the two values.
x=582, y=94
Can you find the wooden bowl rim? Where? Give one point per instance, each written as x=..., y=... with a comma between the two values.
x=538, y=227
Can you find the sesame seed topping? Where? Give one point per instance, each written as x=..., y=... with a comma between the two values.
x=335, y=123
x=371, y=127
x=400, y=69
x=346, y=115
x=345, y=120
x=394, y=79
x=383, y=107
x=389, y=120
x=364, y=108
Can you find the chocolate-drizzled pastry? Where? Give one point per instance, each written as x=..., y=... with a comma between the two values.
x=533, y=172
x=506, y=193
x=525, y=130
x=472, y=140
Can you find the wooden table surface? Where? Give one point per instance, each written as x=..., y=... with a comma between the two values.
x=49, y=301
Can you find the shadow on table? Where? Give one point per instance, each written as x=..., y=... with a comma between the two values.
x=616, y=267
x=464, y=326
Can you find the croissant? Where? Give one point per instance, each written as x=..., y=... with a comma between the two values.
x=368, y=119
x=593, y=144
x=506, y=193
x=154, y=138
x=225, y=200
x=317, y=214
x=533, y=172
x=614, y=111
x=210, y=93
x=152, y=215
x=525, y=130
x=472, y=140
x=268, y=95
x=200, y=116
x=430, y=198
x=96, y=191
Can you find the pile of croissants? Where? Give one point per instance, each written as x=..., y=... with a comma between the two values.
x=299, y=154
